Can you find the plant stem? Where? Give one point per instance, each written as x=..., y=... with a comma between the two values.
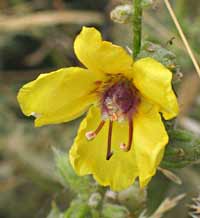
x=137, y=26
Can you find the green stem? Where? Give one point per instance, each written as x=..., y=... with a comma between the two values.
x=137, y=26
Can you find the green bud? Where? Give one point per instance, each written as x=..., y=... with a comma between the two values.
x=122, y=14
x=95, y=199
x=113, y=210
x=134, y=198
x=80, y=209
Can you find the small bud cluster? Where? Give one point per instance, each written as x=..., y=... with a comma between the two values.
x=122, y=14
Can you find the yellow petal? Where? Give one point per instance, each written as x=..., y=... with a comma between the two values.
x=150, y=139
x=59, y=96
x=89, y=157
x=101, y=56
x=154, y=81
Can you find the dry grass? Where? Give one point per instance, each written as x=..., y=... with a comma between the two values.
x=49, y=18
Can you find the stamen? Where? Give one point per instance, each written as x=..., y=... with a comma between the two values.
x=109, y=152
x=114, y=117
x=130, y=138
x=92, y=134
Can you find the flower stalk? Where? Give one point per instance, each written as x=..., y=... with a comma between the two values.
x=137, y=26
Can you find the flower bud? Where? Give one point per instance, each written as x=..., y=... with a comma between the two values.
x=122, y=14
x=94, y=199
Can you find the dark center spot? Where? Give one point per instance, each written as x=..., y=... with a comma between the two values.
x=121, y=99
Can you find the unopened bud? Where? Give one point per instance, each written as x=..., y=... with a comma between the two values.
x=94, y=199
x=122, y=14
x=111, y=195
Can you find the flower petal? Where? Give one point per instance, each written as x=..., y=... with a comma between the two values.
x=154, y=81
x=101, y=56
x=59, y=96
x=89, y=157
x=150, y=139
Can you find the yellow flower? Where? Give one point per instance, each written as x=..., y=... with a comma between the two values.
x=124, y=99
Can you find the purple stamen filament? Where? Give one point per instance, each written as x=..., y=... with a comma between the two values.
x=92, y=134
x=99, y=127
x=130, y=138
x=109, y=152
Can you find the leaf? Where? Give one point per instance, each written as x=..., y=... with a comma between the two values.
x=68, y=177
x=161, y=54
x=183, y=149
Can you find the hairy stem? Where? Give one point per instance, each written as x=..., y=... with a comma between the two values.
x=137, y=26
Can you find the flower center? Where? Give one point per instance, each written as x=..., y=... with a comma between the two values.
x=118, y=101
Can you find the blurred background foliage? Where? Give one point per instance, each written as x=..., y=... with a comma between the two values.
x=37, y=36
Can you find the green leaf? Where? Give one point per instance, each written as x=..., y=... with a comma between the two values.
x=183, y=149
x=161, y=54
x=68, y=177
x=134, y=198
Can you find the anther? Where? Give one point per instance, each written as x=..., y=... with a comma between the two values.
x=92, y=134
x=130, y=138
x=109, y=152
x=114, y=117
